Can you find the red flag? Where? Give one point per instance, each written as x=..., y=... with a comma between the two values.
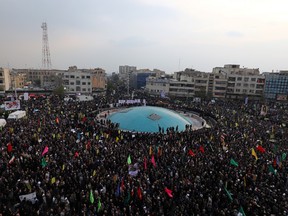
x=260, y=149
x=139, y=192
x=45, y=150
x=274, y=163
x=88, y=145
x=76, y=154
x=168, y=191
x=190, y=152
x=9, y=147
x=159, y=151
x=153, y=161
x=145, y=163
x=201, y=148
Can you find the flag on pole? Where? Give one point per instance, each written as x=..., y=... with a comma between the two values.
x=228, y=194
x=191, y=153
x=241, y=211
x=43, y=162
x=201, y=148
x=153, y=161
x=139, y=193
x=45, y=150
x=9, y=147
x=254, y=154
x=91, y=196
x=53, y=180
x=168, y=192
x=129, y=160
x=260, y=149
x=99, y=205
x=271, y=169
x=233, y=162
x=283, y=156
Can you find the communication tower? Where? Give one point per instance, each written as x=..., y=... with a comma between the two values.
x=46, y=61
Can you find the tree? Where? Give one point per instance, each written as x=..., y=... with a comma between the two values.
x=60, y=91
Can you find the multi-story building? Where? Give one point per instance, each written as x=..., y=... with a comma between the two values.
x=77, y=81
x=18, y=80
x=5, y=80
x=276, y=86
x=137, y=78
x=84, y=81
x=125, y=71
x=98, y=79
x=48, y=79
x=157, y=85
x=241, y=82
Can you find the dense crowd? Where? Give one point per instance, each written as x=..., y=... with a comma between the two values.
x=61, y=159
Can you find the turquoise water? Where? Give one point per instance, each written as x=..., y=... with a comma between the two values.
x=148, y=119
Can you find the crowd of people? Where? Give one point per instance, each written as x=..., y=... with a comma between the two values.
x=62, y=160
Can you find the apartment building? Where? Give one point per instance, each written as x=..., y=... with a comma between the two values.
x=125, y=71
x=5, y=80
x=157, y=85
x=137, y=79
x=276, y=85
x=76, y=81
x=48, y=79
x=18, y=80
x=241, y=82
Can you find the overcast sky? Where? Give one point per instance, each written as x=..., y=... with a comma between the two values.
x=169, y=35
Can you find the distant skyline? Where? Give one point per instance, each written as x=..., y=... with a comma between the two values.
x=169, y=35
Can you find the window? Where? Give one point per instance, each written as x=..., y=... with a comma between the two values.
x=246, y=79
x=77, y=82
x=253, y=79
x=87, y=77
x=239, y=78
x=238, y=84
x=71, y=83
x=237, y=90
x=72, y=76
x=84, y=89
x=82, y=77
x=83, y=83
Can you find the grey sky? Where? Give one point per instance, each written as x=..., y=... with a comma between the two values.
x=169, y=35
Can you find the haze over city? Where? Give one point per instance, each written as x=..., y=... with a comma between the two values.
x=169, y=35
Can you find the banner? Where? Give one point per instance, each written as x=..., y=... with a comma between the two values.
x=12, y=105
x=29, y=197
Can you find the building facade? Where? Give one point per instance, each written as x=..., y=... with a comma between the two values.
x=241, y=82
x=76, y=81
x=125, y=71
x=276, y=86
x=5, y=79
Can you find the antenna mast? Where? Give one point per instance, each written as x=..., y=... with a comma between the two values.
x=46, y=61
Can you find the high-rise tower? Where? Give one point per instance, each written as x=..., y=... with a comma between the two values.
x=46, y=61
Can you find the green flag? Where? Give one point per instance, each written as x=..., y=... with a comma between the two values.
x=233, y=162
x=241, y=210
x=129, y=160
x=99, y=205
x=43, y=162
x=271, y=169
x=284, y=156
x=228, y=194
x=126, y=201
x=91, y=197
